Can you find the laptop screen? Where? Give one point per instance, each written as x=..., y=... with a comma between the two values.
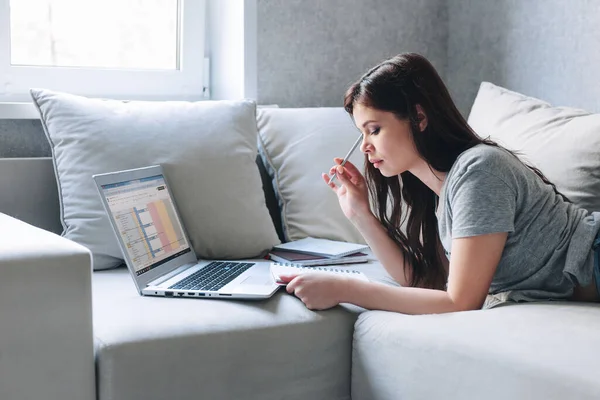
x=146, y=220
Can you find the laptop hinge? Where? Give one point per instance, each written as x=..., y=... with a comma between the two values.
x=166, y=277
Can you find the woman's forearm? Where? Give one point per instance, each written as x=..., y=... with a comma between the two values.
x=384, y=248
x=406, y=300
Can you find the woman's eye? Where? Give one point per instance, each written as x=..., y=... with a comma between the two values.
x=375, y=131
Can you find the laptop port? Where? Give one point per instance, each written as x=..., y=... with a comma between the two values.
x=201, y=294
x=170, y=294
x=224, y=294
x=180, y=293
x=191, y=294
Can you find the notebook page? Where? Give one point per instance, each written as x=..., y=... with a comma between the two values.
x=278, y=270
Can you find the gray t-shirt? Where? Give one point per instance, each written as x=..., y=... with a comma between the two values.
x=548, y=249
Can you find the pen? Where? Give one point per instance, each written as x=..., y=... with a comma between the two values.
x=354, y=146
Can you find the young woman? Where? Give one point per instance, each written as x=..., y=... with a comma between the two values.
x=479, y=222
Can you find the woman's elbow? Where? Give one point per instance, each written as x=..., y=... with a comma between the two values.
x=458, y=304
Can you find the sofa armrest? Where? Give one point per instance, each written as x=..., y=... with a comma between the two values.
x=46, y=340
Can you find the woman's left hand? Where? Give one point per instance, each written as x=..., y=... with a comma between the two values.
x=317, y=291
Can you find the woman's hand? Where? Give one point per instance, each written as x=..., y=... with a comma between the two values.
x=317, y=291
x=352, y=194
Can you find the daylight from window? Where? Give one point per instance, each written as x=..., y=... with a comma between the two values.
x=114, y=34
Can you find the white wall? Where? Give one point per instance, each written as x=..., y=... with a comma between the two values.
x=232, y=48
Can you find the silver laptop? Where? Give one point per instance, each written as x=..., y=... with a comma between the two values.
x=157, y=249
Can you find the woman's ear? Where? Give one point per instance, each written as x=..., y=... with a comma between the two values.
x=421, y=117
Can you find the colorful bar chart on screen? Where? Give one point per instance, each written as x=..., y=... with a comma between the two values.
x=146, y=219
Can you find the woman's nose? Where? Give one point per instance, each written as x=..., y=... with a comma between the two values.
x=364, y=146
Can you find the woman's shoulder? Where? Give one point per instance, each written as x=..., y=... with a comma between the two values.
x=485, y=157
x=484, y=162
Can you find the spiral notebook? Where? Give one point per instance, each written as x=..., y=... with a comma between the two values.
x=278, y=269
x=322, y=247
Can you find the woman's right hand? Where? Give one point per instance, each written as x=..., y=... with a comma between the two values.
x=352, y=192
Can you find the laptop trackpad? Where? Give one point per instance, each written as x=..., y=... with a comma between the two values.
x=258, y=280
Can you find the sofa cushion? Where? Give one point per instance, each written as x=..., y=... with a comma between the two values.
x=563, y=142
x=36, y=202
x=165, y=348
x=524, y=351
x=297, y=145
x=207, y=149
x=221, y=349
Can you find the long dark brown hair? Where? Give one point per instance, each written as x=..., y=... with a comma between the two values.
x=398, y=85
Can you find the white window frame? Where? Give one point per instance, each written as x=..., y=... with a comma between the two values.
x=185, y=83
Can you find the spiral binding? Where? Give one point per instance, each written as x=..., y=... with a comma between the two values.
x=325, y=269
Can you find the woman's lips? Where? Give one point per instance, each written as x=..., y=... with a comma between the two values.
x=376, y=163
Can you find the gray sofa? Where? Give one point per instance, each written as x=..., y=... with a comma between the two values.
x=69, y=333
x=151, y=348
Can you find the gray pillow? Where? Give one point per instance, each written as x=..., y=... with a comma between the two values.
x=297, y=145
x=563, y=142
x=207, y=149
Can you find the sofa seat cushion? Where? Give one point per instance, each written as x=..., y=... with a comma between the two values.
x=523, y=351
x=165, y=348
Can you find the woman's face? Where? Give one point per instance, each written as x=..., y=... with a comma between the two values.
x=387, y=140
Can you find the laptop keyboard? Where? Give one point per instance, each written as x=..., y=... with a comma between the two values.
x=213, y=276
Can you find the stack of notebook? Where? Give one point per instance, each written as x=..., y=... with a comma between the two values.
x=314, y=252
